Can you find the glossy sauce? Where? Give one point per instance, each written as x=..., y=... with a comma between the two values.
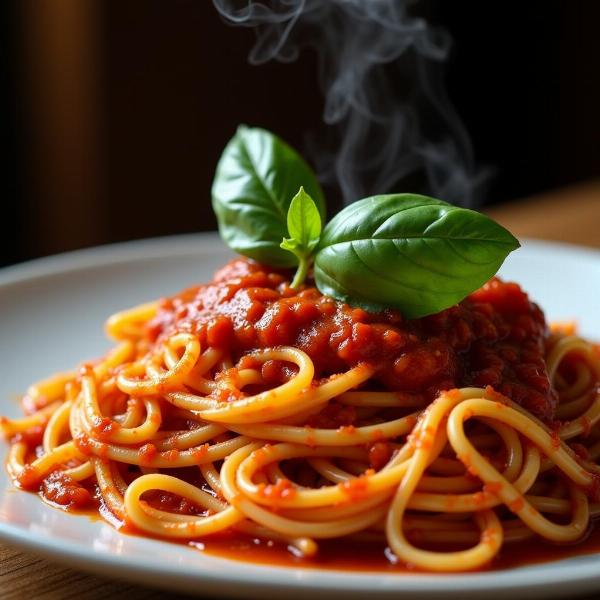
x=494, y=337
x=348, y=555
x=352, y=555
x=341, y=554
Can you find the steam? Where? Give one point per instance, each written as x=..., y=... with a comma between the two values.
x=381, y=73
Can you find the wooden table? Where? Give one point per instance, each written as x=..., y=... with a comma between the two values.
x=568, y=215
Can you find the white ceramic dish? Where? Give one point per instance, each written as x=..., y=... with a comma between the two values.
x=51, y=315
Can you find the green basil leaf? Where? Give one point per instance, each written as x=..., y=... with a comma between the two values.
x=256, y=178
x=304, y=227
x=290, y=244
x=304, y=221
x=409, y=252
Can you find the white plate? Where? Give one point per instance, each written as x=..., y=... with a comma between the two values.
x=51, y=315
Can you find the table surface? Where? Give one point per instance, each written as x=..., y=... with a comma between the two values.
x=567, y=215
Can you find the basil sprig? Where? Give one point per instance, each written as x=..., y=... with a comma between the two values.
x=304, y=227
x=405, y=251
x=256, y=178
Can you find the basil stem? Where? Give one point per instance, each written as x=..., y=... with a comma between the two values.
x=301, y=272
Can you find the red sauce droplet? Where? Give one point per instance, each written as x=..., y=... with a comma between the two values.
x=28, y=478
x=380, y=454
x=147, y=453
x=200, y=452
x=169, y=502
x=516, y=505
x=555, y=440
x=357, y=488
x=171, y=455
x=62, y=489
x=282, y=490
x=32, y=437
x=104, y=428
x=493, y=487
x=83, y=444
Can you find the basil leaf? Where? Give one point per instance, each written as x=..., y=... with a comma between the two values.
x=304, y=221
x=290, y=244
x=304, y=227
x=409, y=252
x=255, y=181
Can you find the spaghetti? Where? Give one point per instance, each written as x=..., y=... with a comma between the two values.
x=246, y=406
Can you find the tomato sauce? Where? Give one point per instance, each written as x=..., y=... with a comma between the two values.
x=495, y=337
x=351, y=555
x=341, y=554
x=368, y=556
x=60, y=489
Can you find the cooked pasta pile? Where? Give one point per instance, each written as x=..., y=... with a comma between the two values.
x=184, y=431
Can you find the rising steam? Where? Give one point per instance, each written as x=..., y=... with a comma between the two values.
x=380, y=69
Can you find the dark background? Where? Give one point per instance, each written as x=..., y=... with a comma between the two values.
x=116, y=112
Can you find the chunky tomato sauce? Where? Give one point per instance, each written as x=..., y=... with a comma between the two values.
x=495, y=337
x=58, y=488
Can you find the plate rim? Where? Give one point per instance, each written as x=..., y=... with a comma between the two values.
x=423, y=585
